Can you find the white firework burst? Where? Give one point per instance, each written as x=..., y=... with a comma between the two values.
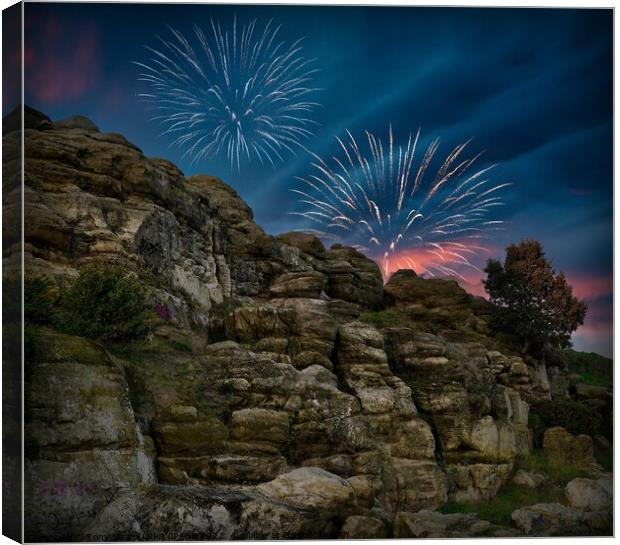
x=398, y=210
x=239, y=91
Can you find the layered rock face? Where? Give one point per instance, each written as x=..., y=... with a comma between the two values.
x=291, y=415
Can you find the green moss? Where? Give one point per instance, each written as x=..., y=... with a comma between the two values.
x=498, y=510
x=391, y=317
x=558, y=473
x=52, y=347
x=181, y=346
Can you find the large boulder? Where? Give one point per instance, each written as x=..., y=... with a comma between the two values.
x=82, y=444
x=364, y=527
x=431, y=524
x=529, y=479
x=590, y=495
x=310, y=488
x=192, y=513
x=563, y=448
x=555, y=519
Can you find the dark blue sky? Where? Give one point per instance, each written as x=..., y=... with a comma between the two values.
x=532, y=87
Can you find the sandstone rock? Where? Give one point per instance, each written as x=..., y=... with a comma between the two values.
x=181, y=413
x=431, y=524
x=199, y=513
x=563, y=448
x=477, y=482
x=310, y=488
x=494, y=441
x=587, y=391
x=303, y=421
x=420, y=484
x=361, y=527
x=530, y=479
x=406, y=286
x=299, y=284
x=590, y=495
x=554, y=519
x=545, y=519
x=76, y=122
x=259, y=425
x=307, y=243
x=194, y=437
x=82, y=443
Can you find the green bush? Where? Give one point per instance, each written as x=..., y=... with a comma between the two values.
x=40, y=300
x=105, y=302
x=576, y=417
x=593, y=368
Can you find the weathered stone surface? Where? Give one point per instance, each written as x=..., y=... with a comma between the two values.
x=259, y=425
x=591, y=495
x=431, y=524
x=199, y=513
x=299, y=284
x=530, y=479
x=183, y=438
x=83, y=446
x=310, y=488
x=361, y=527
x=302, y=421
x=555, y=519
x=563, y=448
x=477, y=482
x=495, y=442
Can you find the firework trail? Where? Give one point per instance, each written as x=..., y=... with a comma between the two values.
x=397, y=208
x=241, y=92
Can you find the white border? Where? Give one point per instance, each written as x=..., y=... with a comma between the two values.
x=463, y=3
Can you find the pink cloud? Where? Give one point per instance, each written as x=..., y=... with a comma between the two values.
x=62, y=63
x=591, y=287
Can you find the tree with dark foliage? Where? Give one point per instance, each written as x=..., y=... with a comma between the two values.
x=533, y=302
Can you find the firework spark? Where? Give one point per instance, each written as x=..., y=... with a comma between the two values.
x=241, y=92
x=398, y=209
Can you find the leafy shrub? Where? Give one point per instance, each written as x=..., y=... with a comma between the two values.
x=40, y=300
x=105, y=302
x=576, y=417
x=593, y=368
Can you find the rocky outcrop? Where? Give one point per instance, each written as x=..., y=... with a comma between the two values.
x=430, y=524
x=469, y=392
x=83, y=446
x=284, y=413
x=589, y=511
x=563, y=448
x=193, y=512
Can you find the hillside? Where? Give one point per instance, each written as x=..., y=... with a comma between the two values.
x=282, y=391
